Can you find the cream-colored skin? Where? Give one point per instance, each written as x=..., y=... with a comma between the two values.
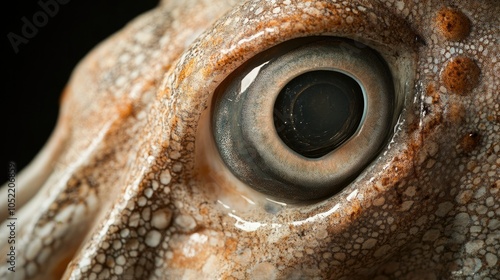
x=130, y=186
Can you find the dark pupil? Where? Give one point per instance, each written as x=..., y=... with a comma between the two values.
x=318, y=111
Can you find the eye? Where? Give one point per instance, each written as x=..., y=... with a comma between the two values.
x=301, y=120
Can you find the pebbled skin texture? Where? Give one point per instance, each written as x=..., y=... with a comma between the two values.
x=129, y=185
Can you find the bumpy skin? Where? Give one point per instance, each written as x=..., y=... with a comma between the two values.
x=129, y=186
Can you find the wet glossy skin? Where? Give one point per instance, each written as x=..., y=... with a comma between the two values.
x=130, y=185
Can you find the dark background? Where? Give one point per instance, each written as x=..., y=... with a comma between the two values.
x=33, y=79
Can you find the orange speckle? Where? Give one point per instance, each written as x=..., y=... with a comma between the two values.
x=452, y=24
x=230, y=246
x=356, y=211
x=460, y=75
x=204, y=211
x=187, y=70
x=125, y=109
x=386, y=181
x=431, y=91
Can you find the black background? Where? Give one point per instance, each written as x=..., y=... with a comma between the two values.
x=33, y=79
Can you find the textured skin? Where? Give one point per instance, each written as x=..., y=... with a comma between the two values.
x=129, y=186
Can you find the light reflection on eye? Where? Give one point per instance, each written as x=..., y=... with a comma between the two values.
x=300, y=121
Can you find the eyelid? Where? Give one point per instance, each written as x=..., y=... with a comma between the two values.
x=239, y=38
x=253, y=27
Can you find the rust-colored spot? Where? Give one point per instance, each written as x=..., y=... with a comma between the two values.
x=230, y=246
x=204, y=210
x=187, y=70
x=386, y=181
x=125, y=109
x=469, y=142
x=460, y=75
x=494, y=118
x=436, y=120
x=452, y=24
x=356, y=211
x=433, y=93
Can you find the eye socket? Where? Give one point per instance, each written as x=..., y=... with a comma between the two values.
x=300, y=121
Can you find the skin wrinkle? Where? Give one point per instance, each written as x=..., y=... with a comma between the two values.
x=148, y=197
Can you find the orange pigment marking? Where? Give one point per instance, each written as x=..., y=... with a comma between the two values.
x=460, y=75
x=452, y=24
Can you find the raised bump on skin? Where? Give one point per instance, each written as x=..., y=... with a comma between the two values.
x=469, y=142
x=452, y=24
x=460, y=75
